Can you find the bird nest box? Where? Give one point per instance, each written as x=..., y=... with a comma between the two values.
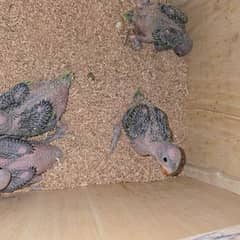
x=90, y=194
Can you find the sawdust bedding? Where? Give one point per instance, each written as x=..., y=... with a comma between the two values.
x=41, y=39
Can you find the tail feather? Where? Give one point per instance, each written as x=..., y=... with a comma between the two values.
x=116, y=135
x=138, y=96
x=66, y=78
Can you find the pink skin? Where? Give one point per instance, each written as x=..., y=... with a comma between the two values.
x=5, y=177
x=21, y=169
x=43, y=157
x=3, y=119
x=185, y=47
x=56, y=91
x=144, y=146
x=146, y=19
x=22, y=150
x=149, y=139
x=18, y=179
x=143, y=22
x=160, y=150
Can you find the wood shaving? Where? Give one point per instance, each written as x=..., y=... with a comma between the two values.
x=42, y=39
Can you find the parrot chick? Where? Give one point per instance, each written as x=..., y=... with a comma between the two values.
x=160, y=24
x=28, y=110
x=25, y=161
x=148, y=130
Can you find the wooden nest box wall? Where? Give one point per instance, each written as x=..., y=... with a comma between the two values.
x=178, y=207
x=213, y=110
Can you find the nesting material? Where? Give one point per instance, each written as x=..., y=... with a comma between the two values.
x=42, y=39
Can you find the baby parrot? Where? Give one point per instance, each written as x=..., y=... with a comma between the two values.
x=148, y=130
x=28, y=110
x=160, y=24
x=22, y=162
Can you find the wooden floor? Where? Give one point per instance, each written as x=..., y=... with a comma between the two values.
x=166, y=210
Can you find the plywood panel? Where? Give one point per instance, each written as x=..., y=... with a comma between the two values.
x=169, y=210
x=213, y=112
x=231, y=233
